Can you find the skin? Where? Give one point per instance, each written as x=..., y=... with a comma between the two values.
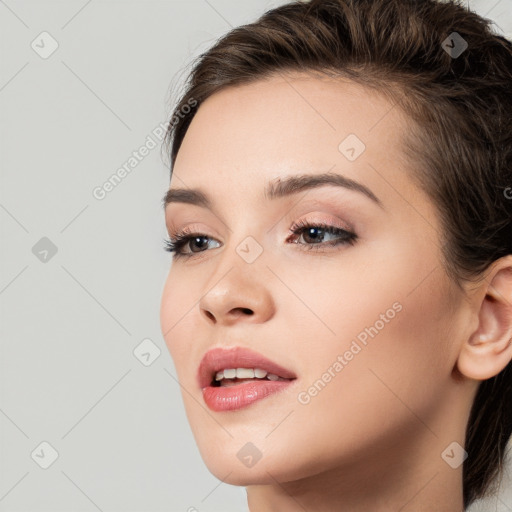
x=372, y=438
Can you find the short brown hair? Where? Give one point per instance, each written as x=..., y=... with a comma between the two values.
x=414, y=52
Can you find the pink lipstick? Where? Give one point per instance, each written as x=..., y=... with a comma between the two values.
x=234, y=378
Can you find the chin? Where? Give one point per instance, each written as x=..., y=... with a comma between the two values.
x=230, y=467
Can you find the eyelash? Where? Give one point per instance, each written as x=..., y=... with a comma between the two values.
x=181, y=238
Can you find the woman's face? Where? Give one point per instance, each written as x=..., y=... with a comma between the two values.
x=370, y=327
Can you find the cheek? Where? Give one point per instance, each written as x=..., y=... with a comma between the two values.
x=365, y=290
x=391, y=330
x=177, y=303
x=168, y=304
x=392, y=314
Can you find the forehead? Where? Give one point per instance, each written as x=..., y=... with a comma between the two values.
x=244, y=136
x=265, y=118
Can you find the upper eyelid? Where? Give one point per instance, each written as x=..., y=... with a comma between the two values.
x=291, y=218
x=298, y=225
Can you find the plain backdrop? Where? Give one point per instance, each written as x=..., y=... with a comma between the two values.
x=91, y=417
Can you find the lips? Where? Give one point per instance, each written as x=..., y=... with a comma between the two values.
x=243, y=392
x=218, y=359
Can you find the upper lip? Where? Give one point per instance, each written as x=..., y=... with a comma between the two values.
x=218, y=359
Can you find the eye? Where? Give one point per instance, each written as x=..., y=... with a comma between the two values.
x=317, y=231
x=183, y=239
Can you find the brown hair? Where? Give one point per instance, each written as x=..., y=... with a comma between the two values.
x=460, y=147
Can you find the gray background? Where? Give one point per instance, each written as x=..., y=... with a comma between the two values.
x=71, y=320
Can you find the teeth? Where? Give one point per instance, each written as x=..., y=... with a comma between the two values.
x=245, y=373
x=261, y=374
x=230, y=374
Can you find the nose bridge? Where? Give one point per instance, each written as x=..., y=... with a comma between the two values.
x=239, y=285
x=244, y=251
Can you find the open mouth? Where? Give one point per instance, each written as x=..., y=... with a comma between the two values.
x=234, y=376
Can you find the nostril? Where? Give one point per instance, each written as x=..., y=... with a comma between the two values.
x=209, y=315
x=245, y=311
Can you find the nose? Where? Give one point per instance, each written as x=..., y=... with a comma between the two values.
x=240, y=295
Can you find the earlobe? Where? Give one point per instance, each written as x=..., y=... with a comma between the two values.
x=488, y=349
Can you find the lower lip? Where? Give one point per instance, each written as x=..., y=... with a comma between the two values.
x=230, y=398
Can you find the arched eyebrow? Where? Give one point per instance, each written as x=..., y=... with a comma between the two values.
x=282, y=187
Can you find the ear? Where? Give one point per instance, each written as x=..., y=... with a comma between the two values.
x=489, y=348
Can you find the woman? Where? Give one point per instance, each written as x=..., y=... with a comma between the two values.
x=339, y=306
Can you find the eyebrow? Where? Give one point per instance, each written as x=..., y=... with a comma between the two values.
x=278, y=189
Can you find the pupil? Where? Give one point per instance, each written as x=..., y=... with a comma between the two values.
x=200, y=238
x=312, y=230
